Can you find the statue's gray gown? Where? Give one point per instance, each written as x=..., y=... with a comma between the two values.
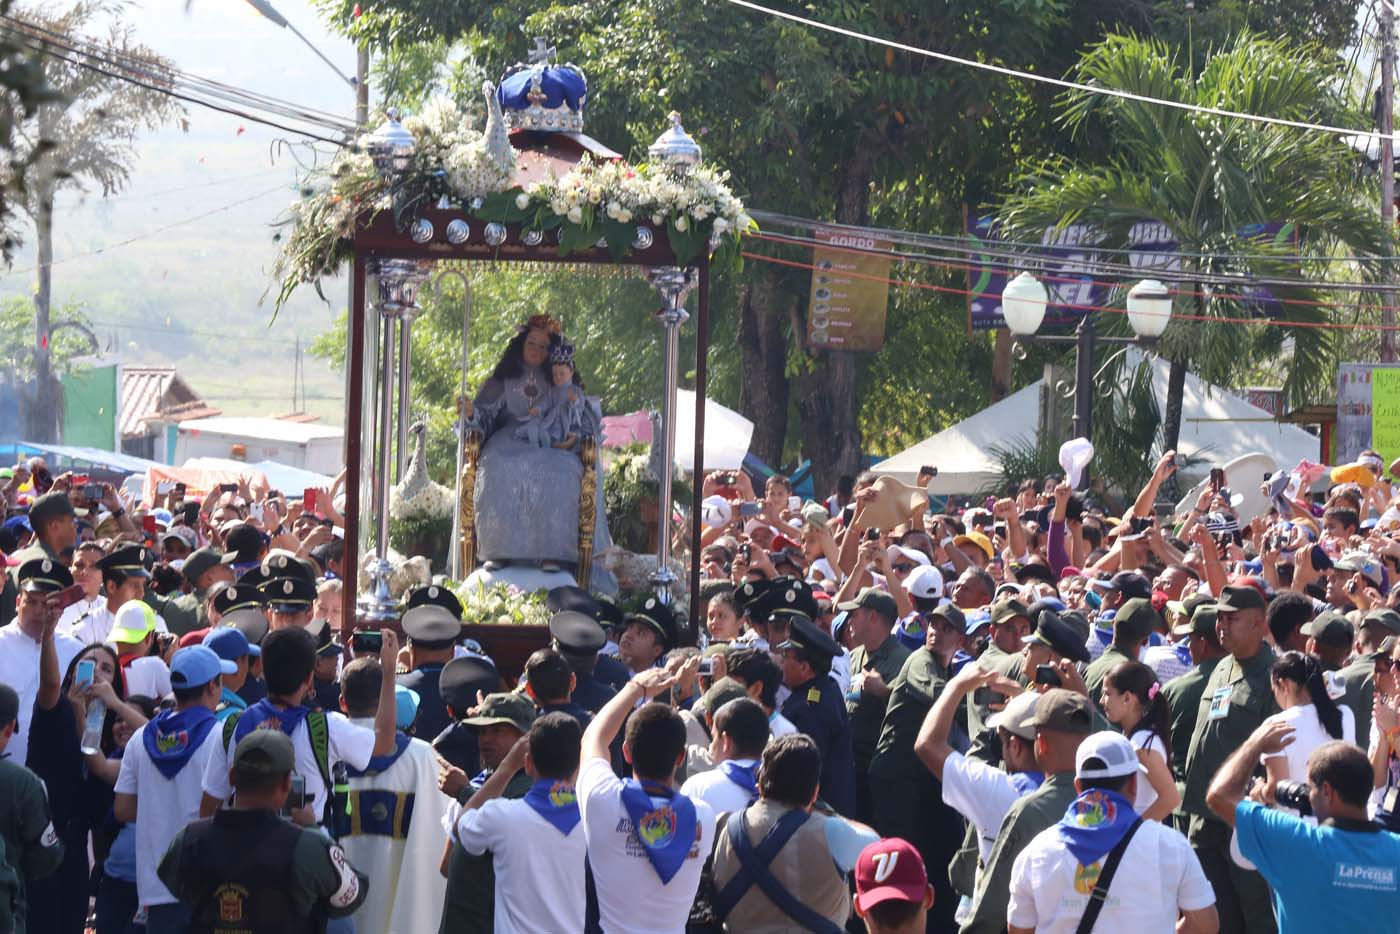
x=527, y=496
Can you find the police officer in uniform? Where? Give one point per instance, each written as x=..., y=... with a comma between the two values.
x=51, y=518
x=606, y=669
x=459, y=682
x=1238, y=697
x=817, y=708
x=249, y=868
x=578, y=637
x=431, y=627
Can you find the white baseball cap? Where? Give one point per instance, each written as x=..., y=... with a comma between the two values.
x=926, y=583
x=1106, y=755
x=894, y=552
x=716, y=512
x=1018, y=716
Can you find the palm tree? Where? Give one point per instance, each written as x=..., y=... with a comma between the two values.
x=1210, y=180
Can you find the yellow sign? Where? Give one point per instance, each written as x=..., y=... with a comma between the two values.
x=1385, y=412
x=850, y=289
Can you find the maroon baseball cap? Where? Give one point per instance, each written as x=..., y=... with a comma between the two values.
x=889, y=869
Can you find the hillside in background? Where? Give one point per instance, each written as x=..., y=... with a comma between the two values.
x=189, y=296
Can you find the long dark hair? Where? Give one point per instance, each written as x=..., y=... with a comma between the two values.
x=512, y=362
x=118, y=687
x=1307, y=671
x=1137, y=679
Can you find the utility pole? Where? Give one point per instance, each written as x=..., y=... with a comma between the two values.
x=1387, y=167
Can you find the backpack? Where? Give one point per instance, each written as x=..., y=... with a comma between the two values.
x=319, y=734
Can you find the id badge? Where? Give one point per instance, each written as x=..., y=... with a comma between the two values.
x=1220, y=704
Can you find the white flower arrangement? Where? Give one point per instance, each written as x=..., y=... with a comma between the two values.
x=431, y=501
x=504, y=605
x=453, y=159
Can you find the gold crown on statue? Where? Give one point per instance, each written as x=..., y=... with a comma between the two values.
x=543, y=322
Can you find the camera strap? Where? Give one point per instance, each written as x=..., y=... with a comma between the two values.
x=1100, y=893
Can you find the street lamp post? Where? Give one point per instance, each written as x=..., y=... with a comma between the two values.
x=1023, y=304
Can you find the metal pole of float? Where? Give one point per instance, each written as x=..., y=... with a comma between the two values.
x=454, y=561
x=354, y=425
x=674, y=285
x=405, y=395
x=702, y=347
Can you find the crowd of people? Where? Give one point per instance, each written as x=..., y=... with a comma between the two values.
x=1026, y=715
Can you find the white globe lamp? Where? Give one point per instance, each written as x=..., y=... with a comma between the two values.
x=1149, y=309
x=1023, y=304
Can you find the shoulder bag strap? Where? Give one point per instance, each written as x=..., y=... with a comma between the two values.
x=1100, y=893
x=754, y=862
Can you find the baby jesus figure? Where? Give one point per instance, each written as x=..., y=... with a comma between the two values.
x=555, y=420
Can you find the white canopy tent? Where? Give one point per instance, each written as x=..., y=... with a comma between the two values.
x=1216, y=426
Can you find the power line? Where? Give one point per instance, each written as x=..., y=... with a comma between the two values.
x=44, y=49
x=150, y=233
x=1056, y=82
x=144, y=196
x=1109, y=309
x=162, y=73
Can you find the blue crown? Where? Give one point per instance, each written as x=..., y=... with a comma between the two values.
x=561, y=352
x=541, y=96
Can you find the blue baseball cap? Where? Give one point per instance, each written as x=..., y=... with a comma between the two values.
x=976, y=619
x=197, y=665
x=14, y=523
x=405, y=706
x=230, y=644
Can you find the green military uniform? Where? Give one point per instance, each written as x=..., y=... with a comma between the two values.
x=866, y=712
x=984, y=744
x=319, y=877
x=1098, y=670
x=1183, y=695
x=470, y=906
x=908, y=800
x=32, y=848
x=1359, y=677
x=183, y=613
x=1238, y=697
x=1028, y=816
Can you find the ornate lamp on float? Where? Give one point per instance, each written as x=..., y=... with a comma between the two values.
x=679, y=153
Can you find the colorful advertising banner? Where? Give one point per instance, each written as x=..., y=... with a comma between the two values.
x=1064, y=260
x=850, y=290
x=1385, y=412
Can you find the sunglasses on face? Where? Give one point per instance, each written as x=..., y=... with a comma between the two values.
x=902, y=568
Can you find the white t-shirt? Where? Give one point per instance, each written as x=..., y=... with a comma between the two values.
x=1308, y=734
x=348, y=743
x=75, y=613
x=97, y=625
x=1146, y=794
x=163, y=806
x=778, y=725
x=1159, y=875
x=717, y=790
x=1164, y=660
x=539, y=871
x=631, y=896
x=19, y=668
x=981, y=793
x=841, y=671
x=148, y=677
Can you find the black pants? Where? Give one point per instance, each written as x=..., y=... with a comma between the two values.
x=914, y=809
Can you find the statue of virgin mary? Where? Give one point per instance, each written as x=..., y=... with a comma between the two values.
x=527, y=491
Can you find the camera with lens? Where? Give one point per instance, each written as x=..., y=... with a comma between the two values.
x=1294, y=795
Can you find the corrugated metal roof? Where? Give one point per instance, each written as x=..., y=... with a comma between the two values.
x=269, y=429
x=148, y=391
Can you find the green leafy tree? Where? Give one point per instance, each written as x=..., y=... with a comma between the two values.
x=806, y=122
x=82, y=136
x=1207, y=179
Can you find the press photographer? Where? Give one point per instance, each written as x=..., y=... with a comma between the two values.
x=1341, y=871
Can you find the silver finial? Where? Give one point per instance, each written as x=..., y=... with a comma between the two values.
x=542, y=52
x=675, y=148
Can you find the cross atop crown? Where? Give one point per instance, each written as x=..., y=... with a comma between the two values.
x=541, y=53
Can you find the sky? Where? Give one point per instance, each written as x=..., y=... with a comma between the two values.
x=192, y=294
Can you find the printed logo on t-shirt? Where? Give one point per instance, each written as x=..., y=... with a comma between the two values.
x=634, y=844
x=1361, y=876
